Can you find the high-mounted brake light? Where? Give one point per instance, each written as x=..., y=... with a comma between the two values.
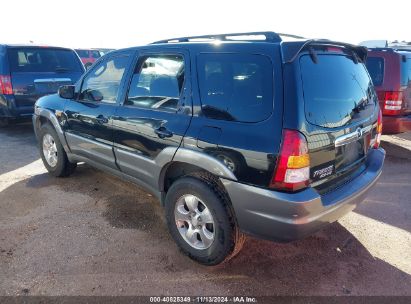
x=5, y=85
x=335, y=49
x=292, y=172
x=392, y=103
x=378, y=131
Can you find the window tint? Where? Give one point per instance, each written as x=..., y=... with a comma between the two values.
x=82, y=53
x=336, y=90
x=95, y=54
x=405, y=71
x=375, y=66
x=103, y=81
x=43, y=60
x=157, y=83
x=236, y=87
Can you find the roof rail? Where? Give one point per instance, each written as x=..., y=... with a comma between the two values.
x=269, y=37
x=389, y=49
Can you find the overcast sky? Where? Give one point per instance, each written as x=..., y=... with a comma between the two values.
x=119, y=23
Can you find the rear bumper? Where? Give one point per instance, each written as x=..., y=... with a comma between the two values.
x=9, y=109
x=394, y=125
x=289, y=216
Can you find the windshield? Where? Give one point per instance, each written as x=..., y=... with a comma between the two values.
x=43, y=60
x=337, y=91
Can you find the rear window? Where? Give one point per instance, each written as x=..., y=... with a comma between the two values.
x=82, y=53
x=337, y=91
x=405, y=70
x=236, y=87
x=43, y=60
x=375, y=66
x=95, y=54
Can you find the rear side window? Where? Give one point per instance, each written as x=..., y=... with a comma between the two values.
x=43, y=60
x=375, y=66
x=236, y=87
x=337, y=90
x=405, y=71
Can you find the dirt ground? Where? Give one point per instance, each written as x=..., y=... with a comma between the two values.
x=93, y=234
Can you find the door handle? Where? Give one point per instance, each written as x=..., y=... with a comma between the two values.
x=101, y=119
x=162, y=132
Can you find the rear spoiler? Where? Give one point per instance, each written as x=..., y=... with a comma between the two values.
x=291, y=49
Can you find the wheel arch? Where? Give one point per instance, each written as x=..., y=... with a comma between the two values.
x=43, y=116
x=187, y=162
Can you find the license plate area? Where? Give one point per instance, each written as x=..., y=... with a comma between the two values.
x=352, y=147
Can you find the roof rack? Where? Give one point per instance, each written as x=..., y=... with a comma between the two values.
x=269, y=37
x=389, y=49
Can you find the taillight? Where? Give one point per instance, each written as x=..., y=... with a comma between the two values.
x=293, y=164
x=392, y=103
x=5, y=85
x=378, y=131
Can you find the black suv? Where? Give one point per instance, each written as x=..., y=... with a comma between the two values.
x=28, y=72
x=252, y=133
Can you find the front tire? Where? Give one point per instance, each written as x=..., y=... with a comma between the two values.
x=52, y=153
x=201, y=221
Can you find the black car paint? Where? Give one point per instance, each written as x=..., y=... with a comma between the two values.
x=322, y=150
x=252, y=147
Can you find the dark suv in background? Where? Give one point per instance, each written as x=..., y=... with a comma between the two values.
x=390, y=70
x=29, y=72
x=237, y=133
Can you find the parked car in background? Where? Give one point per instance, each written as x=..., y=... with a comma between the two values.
x=390, y=70
x=233, y=133
x=105, y=51
x=88, y=56
x=28, y=72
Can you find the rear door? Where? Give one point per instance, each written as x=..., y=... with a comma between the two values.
x=155, y=114
x=340, y=110
x=36, y=72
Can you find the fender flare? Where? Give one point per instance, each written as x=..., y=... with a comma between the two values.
x=52, y=118
x=198, y=159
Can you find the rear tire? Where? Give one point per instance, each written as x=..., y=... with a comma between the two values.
x=52, y=153
x=213, y=239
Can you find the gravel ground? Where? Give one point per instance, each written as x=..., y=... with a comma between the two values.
x=93, y=234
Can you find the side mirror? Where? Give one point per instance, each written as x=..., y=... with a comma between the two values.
x=66, y=92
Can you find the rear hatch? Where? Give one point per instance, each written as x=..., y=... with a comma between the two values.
x=340, y=114
x=38, y=71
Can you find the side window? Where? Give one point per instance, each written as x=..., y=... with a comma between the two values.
x=103, y=82
x=236, y=87
x=375, y=67
x=157, y=83
x=405, y=71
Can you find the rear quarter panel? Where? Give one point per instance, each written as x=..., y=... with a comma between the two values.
x=253, y=147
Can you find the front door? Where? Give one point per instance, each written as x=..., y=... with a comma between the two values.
x=89, y=130
x=155, y=115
